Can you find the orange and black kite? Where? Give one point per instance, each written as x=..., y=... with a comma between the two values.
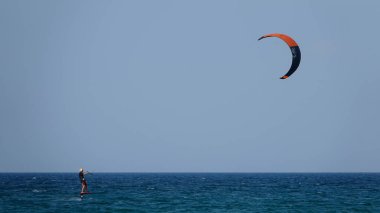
x=293, y=47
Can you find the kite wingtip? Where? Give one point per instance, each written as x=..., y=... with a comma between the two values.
x=284, y=77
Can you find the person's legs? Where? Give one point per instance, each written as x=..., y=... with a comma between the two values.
x=83, y=187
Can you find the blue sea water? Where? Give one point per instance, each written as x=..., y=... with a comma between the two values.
x=191, y=192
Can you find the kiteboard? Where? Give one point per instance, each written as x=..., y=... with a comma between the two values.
x=85, y=193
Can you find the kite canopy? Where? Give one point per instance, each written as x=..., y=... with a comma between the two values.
x=296, y=52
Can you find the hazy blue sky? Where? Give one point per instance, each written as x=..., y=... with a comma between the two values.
x=184, y=86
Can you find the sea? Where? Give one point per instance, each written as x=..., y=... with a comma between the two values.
x=191, y=192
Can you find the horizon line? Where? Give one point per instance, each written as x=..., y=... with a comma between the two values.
x=131, y=172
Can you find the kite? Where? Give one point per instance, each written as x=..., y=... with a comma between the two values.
x=294, y=48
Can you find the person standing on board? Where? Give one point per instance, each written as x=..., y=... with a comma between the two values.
x=82, y=173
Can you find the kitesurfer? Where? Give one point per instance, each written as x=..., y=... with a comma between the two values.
x=83, y=181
